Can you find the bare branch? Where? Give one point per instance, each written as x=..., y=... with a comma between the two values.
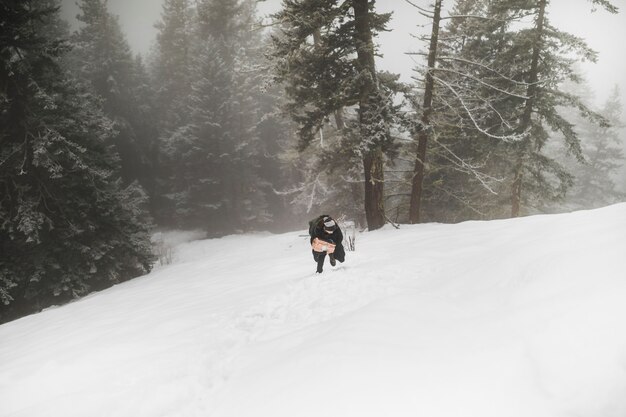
x=473, y=16
x=397, y=226
x=418, y=7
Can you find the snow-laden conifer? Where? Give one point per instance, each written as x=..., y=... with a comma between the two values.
x=68, y=225
x=325, y=57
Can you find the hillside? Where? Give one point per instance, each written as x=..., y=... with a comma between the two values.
x=521, y=317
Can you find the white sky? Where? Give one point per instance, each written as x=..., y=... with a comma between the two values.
x=604, y=32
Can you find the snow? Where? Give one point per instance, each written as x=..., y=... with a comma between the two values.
x=520, y=317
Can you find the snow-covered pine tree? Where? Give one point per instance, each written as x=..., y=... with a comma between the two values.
x=170, y=61
x=143, y=120
x=495, y=100
x=215, y=150
x=67, y=226
x=101, y=56
x=232, y=26
x=169, y=67
x=326, y=174
x=325, y=57
x=472, y=115
x=200, y=150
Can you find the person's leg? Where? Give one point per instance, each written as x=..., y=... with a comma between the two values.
x=320, y=261
x=331, y=258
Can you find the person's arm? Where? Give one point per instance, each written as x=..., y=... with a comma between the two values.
x=339, y=236
x=316, y=233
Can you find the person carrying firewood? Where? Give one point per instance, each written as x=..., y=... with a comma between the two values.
x=326, y=237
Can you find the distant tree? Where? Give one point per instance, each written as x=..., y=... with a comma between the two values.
x=67, y=225
x=101, y=56
x=595, y=177
x=278, y=165
x=200, y=150
x=549, y=63
x=604, y=154
x=215, y=151
x=170, y=63
x=169, y=67
x=143, y=119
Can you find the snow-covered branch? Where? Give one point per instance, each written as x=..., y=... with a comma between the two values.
x=508, y=138
x=486, y=84
x=488, y=68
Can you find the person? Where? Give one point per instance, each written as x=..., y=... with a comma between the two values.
x=326, y=228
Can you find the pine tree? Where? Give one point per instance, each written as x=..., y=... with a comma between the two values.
x=594, y=179
x=326, y=60
x=594, y=182
x=67, y=226
x=279, y=167
x=200, y=150
x=228, y=25
x=170, y=64
x=496, y=101
x=422, y=140
x=214, y=151
x=326, y=175
x=548, y=65
x=170, y=67
x=468, y=115
x=102, y=57
x=142, y=118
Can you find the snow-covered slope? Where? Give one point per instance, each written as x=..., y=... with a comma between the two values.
x=522, y=317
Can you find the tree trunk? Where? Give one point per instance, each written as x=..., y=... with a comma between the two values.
x=373, y=167
x=422, y=138
x=526, y=122
x=339, y=119
x=373, y=157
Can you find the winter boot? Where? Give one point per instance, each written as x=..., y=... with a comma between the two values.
x=333, y=262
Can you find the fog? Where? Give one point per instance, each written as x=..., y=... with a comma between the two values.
x=603, y=32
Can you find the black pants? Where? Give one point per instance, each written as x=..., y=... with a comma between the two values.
x=319, y=257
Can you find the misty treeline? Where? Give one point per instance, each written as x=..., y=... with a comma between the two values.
x=230, y=125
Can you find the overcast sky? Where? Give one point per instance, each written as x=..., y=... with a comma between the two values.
x=604, y=32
